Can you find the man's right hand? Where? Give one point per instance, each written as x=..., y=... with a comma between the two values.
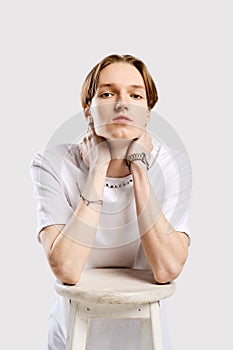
x=94, y=149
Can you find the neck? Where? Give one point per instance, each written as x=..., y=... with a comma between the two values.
x=117, y=166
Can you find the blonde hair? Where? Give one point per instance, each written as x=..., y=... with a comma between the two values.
x=90, y=83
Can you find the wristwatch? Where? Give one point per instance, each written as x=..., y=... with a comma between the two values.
x=137, y=156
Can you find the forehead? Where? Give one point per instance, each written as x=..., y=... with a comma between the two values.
x=120, y=74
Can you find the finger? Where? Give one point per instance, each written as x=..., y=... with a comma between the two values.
x=91, y=127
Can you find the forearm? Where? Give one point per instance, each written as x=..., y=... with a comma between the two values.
x=164, y=248
x=72, y=246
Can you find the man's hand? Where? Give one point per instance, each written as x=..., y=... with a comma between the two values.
x=94, y=149
x=141, y=145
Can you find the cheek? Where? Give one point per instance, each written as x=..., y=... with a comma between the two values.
x=140, y=123
x=102, y=113
x=140, y=115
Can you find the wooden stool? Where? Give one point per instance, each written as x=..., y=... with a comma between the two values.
x=115, y=293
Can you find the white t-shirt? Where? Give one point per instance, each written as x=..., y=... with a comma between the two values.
x=58, y=176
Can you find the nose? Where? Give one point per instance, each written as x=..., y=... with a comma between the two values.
x=121, y=103
x=119, y=106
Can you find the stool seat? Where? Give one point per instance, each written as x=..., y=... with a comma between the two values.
x=114, y=293
x=116, y=286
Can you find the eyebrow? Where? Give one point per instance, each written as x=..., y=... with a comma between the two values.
x=115, y=85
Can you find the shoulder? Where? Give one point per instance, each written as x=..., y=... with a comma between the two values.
x=56, y=155
x=167, y=156
x=170, y=164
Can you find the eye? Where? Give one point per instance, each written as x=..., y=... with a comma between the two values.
x=106, y=94
x=137, y=96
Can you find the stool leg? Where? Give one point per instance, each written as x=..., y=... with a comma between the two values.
x=151, y=329
x=77, y=330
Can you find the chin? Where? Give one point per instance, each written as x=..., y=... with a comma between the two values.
x=120, y=131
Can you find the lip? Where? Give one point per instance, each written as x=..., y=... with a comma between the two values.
x=122, y=119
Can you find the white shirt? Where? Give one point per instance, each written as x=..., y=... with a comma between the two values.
x=58, y=177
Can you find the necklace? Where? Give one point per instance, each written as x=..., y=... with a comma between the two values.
x=119, y=185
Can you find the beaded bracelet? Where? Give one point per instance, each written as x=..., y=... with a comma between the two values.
x=87, y=201
x=137, y=156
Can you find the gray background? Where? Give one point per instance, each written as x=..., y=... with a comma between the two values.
x=47, y=48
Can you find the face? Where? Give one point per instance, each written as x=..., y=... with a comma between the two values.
x=119, y=108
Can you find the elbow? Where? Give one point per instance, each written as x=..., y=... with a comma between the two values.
x=171, y=271
x=162, y=278
x=67, y=278
x=66, y=275
x=167, y=276
x=65, y=271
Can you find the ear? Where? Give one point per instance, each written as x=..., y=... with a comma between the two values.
x=87, y=113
